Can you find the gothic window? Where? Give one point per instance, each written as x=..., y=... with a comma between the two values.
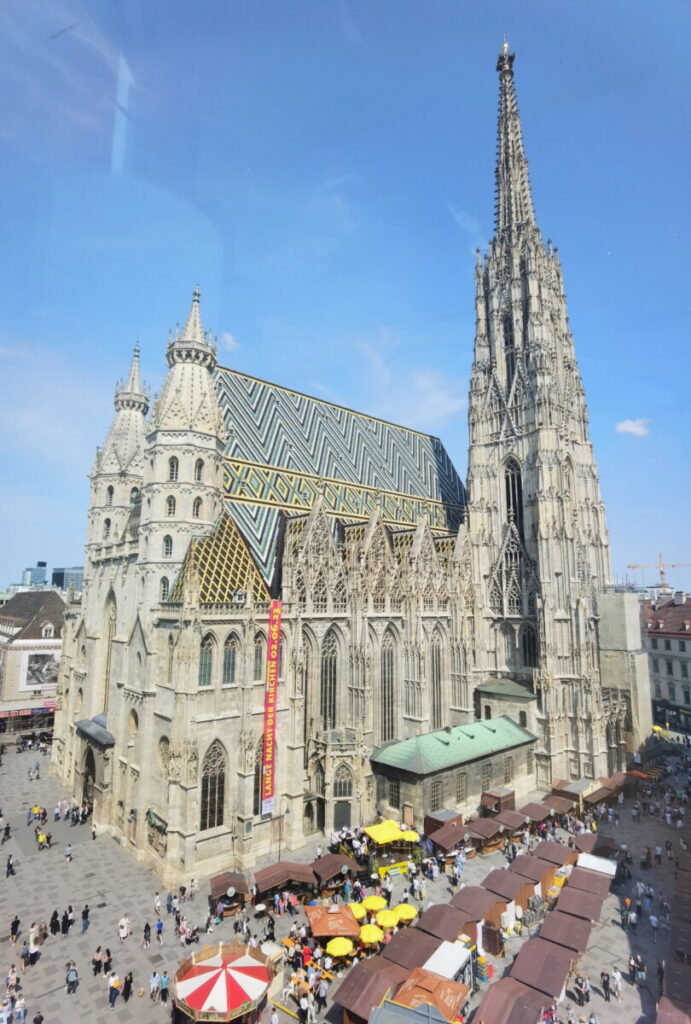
x=340, y=595
x=197, y=508
x=509, y=351
x=170, y=506
x=435, y=799
x=109, y=495
x=167, y=547
x=435, y=681
x=230, y=654
x=206, y=660
x=171, y=656
x=257, y=788
x=523, y=719
x=106, y=529
x=164, y=589
x=508, y=770
x=213, y=787
x=506, y=645
x=327, y=693
x=134, y=496
x=394, y=793
x=461, y=787
x=343, y=783
x=428, y=598
x=199, y=470
x=386, y=683
x=529, y=647
x=173, y=467
x=513, y=488
x=496, y=602
x=379, y=595
x=486, y=776
x=258, y=656
x=319, y=781
x=488, y=711
x=300, y=592
x=395, y=599
x=514, y=605
x=319, y=594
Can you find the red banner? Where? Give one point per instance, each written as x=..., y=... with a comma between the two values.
x=273, y=651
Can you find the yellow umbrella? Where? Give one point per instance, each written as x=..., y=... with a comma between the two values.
x=339, y=947
x=386, y=919
x=358, y=911
x=410, y=836
x=370, y=933
x=374, y=903
x=405, y=912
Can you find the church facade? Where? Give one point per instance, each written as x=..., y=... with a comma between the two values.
x=408, y=605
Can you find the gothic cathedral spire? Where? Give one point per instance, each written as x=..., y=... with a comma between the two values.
x=536, y=521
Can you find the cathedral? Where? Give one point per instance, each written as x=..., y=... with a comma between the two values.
x=238, y=529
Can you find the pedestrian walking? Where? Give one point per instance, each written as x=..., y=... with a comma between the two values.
x=68, y=853
x=165, y=982
x=14, y=929
x=127, y=986
x=19, y=1010
x=616, y=983
x=159, y=932
x=154, y=986
x=113, y=989
x=72, y=978
x=97, y=961
x=10, y=866
x=85, y=918
x=147, y=936
x=605, y=981
x=157, y=905
x=654, y=925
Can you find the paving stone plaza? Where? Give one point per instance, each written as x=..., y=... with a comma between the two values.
x=103, y=875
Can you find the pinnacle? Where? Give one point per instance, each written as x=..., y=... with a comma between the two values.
x=193, y=328
x=133, y=379
x=514, y=204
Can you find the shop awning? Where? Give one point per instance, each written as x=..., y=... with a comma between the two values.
x=410, y=948
x=508, y=1001
x=475, y=902
x=282, y=873
x=600, y=794
x=448, y=836
x=443, y=921
x=589, y=881
x=533, y=868
x=484, y=828
x=555, y=853
x=385, y=832
x=513, y=820
x=332, y=865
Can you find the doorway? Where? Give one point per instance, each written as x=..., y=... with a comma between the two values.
x=341, y=815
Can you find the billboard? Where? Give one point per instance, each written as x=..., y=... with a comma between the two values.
x=41, y=671
x=270, y=702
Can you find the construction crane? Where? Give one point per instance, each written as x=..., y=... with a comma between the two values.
x=661, y=565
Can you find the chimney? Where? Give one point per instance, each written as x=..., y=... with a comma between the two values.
x=679, y=597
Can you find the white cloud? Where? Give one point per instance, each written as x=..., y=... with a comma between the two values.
x=469, y=226
x=637, y=428
x=229, y=341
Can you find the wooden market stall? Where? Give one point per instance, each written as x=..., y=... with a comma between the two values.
x=587, y=905
x=513, y=821
x=486, y=834
x=543, y=966
x=423, y=988
x=365, y=986
x=285, y=874
x=411, y=948
x=230, y=889
x=508, y=1001
x=589, y=881
x=330, y=922
x=446, y=922
x=510, y=886
x=566, y=930
x=539, y=872
x=332, y=870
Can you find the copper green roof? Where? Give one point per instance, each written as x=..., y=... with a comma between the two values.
x=458, y=744
x=506, y=688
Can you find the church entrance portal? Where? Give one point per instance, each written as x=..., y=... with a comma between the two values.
x=89, y=777
x=341, y=815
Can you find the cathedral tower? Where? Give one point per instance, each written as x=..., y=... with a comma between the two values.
x=536, y=521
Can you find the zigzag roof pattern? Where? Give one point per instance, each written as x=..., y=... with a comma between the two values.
x=286, y=448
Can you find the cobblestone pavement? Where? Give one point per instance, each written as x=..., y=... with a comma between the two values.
x=103, y=875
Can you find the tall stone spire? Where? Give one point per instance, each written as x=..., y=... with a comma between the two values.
x=125, y=439
x=513, y=201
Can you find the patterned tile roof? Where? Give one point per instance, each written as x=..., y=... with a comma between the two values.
x=285, y=449
x=459, y=744
x=223, y=566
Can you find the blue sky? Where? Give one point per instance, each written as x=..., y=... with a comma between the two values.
x=324, y=170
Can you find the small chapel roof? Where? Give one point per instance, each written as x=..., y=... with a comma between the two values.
x=458, y=744
x=506, y=688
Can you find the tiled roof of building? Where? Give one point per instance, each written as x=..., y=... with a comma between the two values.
x=223, y=566
x=670, y=617
x=30, y=610
x=459, y=744
x=506, y=688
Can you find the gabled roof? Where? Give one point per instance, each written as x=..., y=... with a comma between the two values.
x=433, y=751
x=30, y=610
x=223, y=566
x=506, y=688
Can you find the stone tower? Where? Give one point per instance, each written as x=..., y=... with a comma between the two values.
x=536, y=521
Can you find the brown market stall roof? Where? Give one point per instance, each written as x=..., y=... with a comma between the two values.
x=411, y=947
x=220, y=884
x=589, y=881
x=560, y=804
x=597, y=844
x=283, y=872
x=508, y=1001
x=542, y=965
x=599, y=794
x=329, y=866
x=532, y=867
x=512, y=819
x=443, y=921
x=423, y=988
x=555, y=853
x=505, y=883
x=484, y=828
x=364, y=987
x=475, y=902
x=587, y=905
x=536, y=812
x=566, y=930
x=448, y=836
x=332, y=921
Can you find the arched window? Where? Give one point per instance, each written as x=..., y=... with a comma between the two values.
x=197, y=508
x=167, y=547
x=435, y=681
x=506, y=648
x=379, y=595
x=509, y=351
x=343, y=783
x=513, y=488
x=165, y=588
x=386, y=686
x=327, y=693
x=111, y=621
x=138, y=668
x=109, y=495
x=106, y=529
x=171, y=657
x=300, y=591
x=134, y=496
x=170, y=506
x=340, y=595
x=523, y=719
x=206, y=660
x=488, y=711
x=173, y=468
x=199, y=470
x=319, y=594
x=230, y=655
x=529, y=647
x=213, y=787
x=258, y=656
x=258, y=765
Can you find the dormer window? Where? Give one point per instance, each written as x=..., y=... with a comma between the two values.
x=47, y=631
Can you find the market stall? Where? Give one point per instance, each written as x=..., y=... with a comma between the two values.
x=602, y=865
x=223, y=983
x=425, y=989
x=285, y=874
x=589, y=881
x=586, y=905
x=543, y=966
x=486, y=834
x=410, y=948
x=394, y=847
x=332, y=870
x=229, y=889
x=565, y=930
x=559, y=804
x=331, y=922
x=446, y=922
x=534, y=813
x=483, y=909
x=512, y=820
x=539, y=872
x=508, y=1001
x=556, y=853
x=512, y=887
x=452, y=960
x=365, y=986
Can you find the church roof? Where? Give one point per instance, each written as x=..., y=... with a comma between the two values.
x=444, y=748
x=285, y=449
x=506, y=688
x=222, y=567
